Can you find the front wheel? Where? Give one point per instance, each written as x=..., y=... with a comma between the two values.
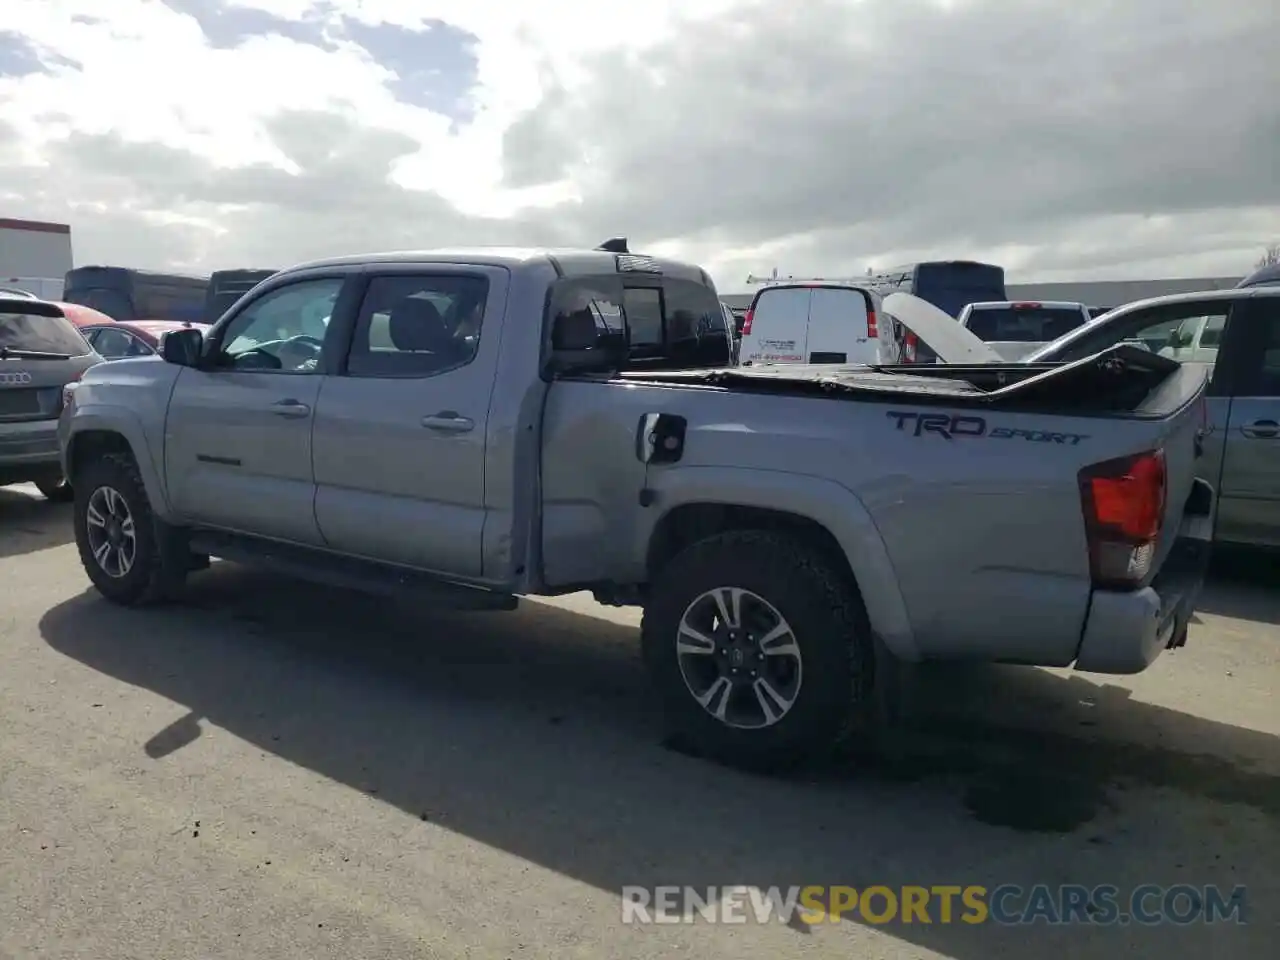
x=759, y=649
x=118, y=537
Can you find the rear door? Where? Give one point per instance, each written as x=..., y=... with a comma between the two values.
x=1249, y=500
x=838, y=329
x=779, y=326
x=400, y=428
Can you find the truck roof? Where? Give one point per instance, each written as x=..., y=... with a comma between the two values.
x=569, y=260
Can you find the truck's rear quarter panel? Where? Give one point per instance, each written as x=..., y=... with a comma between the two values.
x=982, y=522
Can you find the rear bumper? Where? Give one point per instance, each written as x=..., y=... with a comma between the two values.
x=1125, y=632
x=28, y=450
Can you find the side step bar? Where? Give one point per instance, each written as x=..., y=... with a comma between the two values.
x=320, y=566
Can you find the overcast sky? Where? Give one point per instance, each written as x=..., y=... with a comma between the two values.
x=1082, y=140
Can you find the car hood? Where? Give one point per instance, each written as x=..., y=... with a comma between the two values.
x=942, y=332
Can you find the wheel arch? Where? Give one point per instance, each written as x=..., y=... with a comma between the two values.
x=94, y=432
x=701, y=502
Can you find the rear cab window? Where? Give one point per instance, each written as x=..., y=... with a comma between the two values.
x=1023, y=323
x=669, y=322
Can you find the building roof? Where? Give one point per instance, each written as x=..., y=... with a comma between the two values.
x=34, y=226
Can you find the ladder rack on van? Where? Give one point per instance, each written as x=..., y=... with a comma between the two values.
x=753, y=280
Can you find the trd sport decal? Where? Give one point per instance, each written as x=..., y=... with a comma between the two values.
x=949, y=427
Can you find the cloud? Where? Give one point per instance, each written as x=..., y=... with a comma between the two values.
x=1066, y=141
x=20, y=57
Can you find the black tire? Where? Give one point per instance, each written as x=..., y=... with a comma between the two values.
x=826, y=615
x=157, y=571
x=56, y=491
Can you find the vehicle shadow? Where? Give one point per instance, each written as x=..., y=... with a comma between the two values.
x=533, y=732
x=1246, y=585
x=29, y=522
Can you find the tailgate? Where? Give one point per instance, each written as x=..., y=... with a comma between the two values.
x=1183, y=447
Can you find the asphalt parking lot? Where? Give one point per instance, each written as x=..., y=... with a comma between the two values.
x=272, y=769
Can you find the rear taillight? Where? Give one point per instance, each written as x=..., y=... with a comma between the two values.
x=746, y=321
x=873, y=331
x=1124, y=503
x=69, y=387
x=909, y=347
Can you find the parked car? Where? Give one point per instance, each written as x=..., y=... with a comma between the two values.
x=1014, y=329
x=817, y=322
x=83, y=316
x=791, y=533
x=40, y=353
x=118, y=339
x=1234, y=334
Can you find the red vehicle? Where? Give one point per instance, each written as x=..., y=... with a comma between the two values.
x=117, y=339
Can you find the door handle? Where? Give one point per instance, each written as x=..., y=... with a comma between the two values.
x=290, y=408
x=1261, y=430
x=448, y=421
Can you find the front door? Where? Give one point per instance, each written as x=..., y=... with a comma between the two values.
x=400, y=431
x=238, y=436
x=1249, y=505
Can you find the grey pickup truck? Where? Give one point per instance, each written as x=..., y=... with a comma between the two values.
x=475, y=425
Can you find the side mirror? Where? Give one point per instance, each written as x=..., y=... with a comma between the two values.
x=182, y=347
x=579, y=344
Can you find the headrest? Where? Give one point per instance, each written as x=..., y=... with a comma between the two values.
x=416, y=325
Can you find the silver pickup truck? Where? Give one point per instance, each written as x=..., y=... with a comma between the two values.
x=458, y=424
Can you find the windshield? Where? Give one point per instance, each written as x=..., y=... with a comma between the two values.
x=1023, y=324
x=21, y=331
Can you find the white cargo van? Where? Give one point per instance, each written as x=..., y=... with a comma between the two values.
x=816, y=323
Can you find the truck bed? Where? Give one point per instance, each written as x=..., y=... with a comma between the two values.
x=1122, y=379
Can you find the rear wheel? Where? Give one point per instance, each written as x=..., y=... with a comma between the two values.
x=759, y=649
x=124, y=549
x=56, y=489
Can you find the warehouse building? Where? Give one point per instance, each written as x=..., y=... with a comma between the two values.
x=1094, y=293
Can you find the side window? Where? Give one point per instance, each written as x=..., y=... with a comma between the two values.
x=1170, y=329
x=283, y=331
x=643, y=309
x=113, y=344
x=1263, y=376
x=1211, y=335
x=418, y=326
x=1269, y=379
x=598, y=300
